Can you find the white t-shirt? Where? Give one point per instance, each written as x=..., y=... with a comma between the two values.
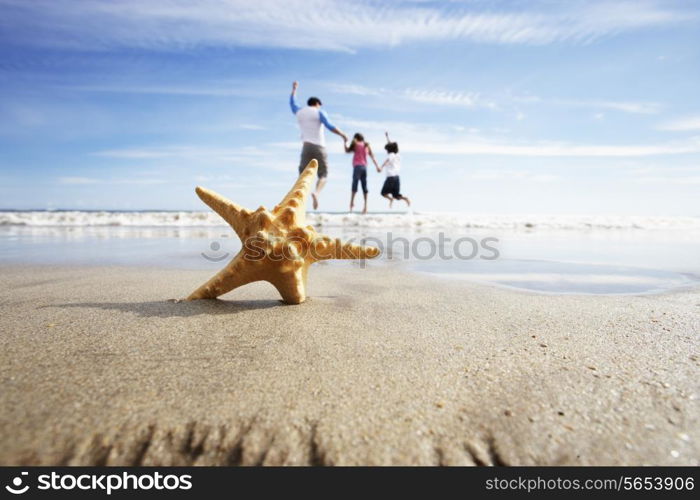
x=311, y=125
x=393, y=165
x=311, y=122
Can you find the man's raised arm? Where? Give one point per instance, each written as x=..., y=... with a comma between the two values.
x=292, y=101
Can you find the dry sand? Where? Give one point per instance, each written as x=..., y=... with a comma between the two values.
x=378, y=367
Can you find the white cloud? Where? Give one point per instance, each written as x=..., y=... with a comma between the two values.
x=321, y=24
x=446, y=98
x=445, y=140
x=473, y=99
x=662, y=169
x=271, y=156
x=634, y=107
x=78, y=181
x=183, y=152
x=646, y=108
x=222, y=90
x=354, y=89
x=687, y=123
x=437, y=141
x=251, y=126
x=452, y=98
x=693, y=179
x=142, y=182
x=562, y=149
x=501, y=175
x=85, y=181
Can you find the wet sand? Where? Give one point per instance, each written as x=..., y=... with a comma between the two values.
x=378, y=367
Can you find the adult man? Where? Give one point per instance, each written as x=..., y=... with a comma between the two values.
x=312, y=119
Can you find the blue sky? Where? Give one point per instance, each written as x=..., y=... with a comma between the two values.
x=498, y=107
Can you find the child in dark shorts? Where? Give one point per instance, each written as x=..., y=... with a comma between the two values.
x=392, y=165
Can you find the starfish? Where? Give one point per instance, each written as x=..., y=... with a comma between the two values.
x=277, y=247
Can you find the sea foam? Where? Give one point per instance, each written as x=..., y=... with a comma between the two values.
x=410, y=220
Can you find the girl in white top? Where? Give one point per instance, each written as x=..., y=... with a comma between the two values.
x=392, y=165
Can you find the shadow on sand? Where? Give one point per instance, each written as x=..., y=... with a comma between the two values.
x=172, y=308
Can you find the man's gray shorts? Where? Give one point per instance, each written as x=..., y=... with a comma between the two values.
x=314, y=152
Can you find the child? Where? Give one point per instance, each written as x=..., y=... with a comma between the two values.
x=392, y=185
x=360, y=148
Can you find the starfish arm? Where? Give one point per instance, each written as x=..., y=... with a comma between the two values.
x=293, y=206
x=291, y=286
x=327, y=248
x=234, y=214
x=237, y=273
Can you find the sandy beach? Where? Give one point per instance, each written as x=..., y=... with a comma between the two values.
x=379, y=366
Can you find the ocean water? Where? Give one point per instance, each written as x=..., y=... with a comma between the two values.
x=377, y=220
x=544, y=254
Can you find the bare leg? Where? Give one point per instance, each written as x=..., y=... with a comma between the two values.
x=319, y=186
x=352, y=200
x=408, y=202
x=364, y=210
x=390, y=198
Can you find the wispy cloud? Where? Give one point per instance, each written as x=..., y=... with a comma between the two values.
x=474, y=99
x=202, y=90
x=318, y=25
x=78, y=181
x=561, y=149
x=269, y=156
x=355, y=89
x=688, y=123
x=451, y=98
x=662, y=179
x=645, y=108
x=251, y=126
x=86, y=181
x=183, y=152
x=443, y=140
x=448, y=98
x=418, y=138
x=500, y=175
x=634, y=107
x=663, y=169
